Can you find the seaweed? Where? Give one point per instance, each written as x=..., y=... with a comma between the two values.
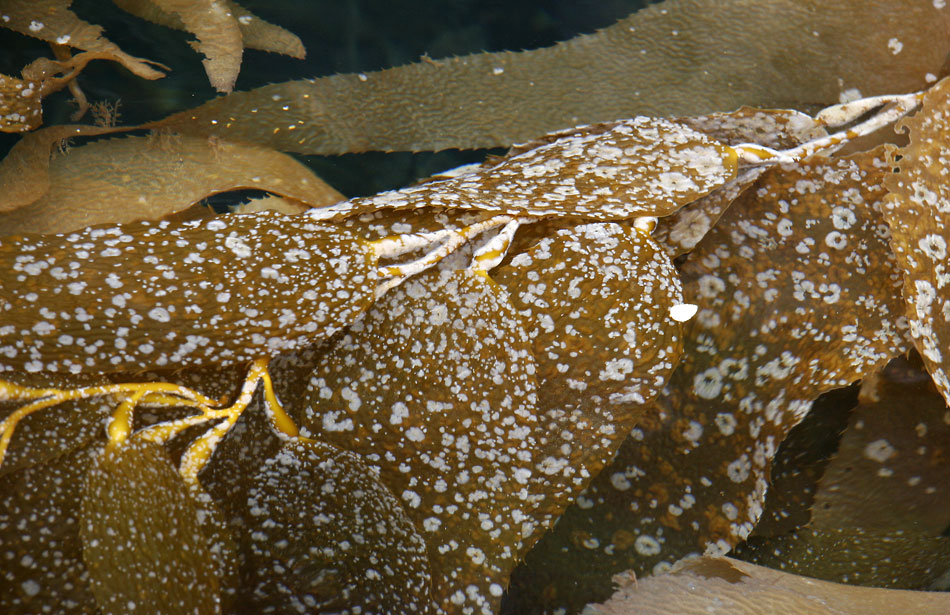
x=516, y=386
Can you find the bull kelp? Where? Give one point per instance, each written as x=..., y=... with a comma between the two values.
x=633, y=338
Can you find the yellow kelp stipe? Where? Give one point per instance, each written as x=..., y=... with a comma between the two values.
x=156, y=395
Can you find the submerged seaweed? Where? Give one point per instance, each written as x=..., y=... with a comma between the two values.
x=596, y=354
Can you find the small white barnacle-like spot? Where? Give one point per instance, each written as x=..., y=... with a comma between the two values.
x=646, y=545
x=159, y=314
x=710, y=286
x=399, y=412
x=842, y=218
x=693, y=432
x=726, y=423
x=708, y=384
x=933, y=246
x=412, y=498
x=730, y=511
x=739, y=469
x=414, y=434
x=476, y=555
x=880, y=450
x=925, y=297
x=619, y=481
x=237, y=245
x=836, y=240
x=785, y=227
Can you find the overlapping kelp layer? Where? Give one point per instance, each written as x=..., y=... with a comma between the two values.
x=616, y=346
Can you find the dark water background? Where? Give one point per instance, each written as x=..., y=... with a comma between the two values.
x=340, y=36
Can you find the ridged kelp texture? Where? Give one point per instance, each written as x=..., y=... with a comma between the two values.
x=39, y=537
x=56, y=430
x=152, y=543
x=150, y=295
x=146, y=178
x=918, y=213
x=680, y=57
x=795, y=288
x=722, y=585
x=639, y=167
x=323, y=535
x=882, y=507
x=595, y=302
x=435, y=387
x=24, y=171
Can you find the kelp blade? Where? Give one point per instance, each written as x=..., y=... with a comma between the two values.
x=147, y=178
x=324, y=533
x=917, y=213
x=220, y=291
x=764, y=344
x=435, y=387
x=151, y=542
x=595, y=301
x=777, y=53
x=52, y=21
x=882, y=505
x=722, y=585
x=39, y=537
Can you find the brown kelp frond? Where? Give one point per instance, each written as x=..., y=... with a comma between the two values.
x=223, y=30
x=403, y=387
x=764, y=344
x=213, y=24
x=701, y=585
x=917, y=214
x=52, y=21
x=221, y=312
x=371, y=555
x=146, y=178
x=47, y=428
x=39, y=531
x=882, y=503
x=256, y=33
x=387, y=404
x=817, y=58
x=137, y=562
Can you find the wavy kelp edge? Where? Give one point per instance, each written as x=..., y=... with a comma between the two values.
x=497, y=99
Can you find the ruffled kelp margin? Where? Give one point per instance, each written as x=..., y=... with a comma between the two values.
x=610, y=349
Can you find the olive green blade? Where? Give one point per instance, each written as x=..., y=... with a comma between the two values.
x=151, y=542
x=40, y=548
x=323, y=532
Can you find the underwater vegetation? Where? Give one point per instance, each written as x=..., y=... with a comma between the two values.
x=698, y=306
